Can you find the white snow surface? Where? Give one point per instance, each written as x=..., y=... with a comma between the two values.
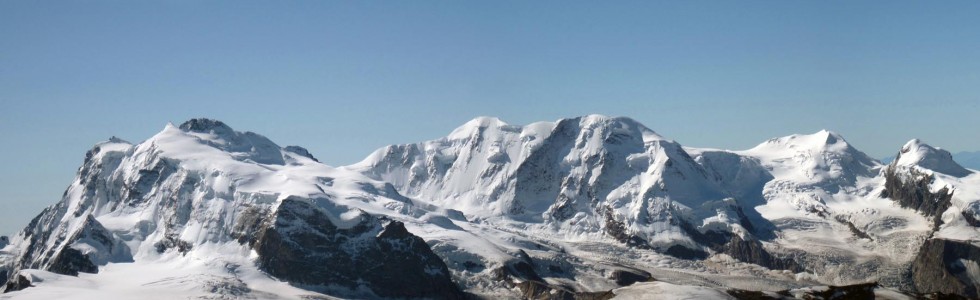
x=202, y=274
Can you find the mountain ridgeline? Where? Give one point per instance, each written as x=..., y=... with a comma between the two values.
x=592, y=207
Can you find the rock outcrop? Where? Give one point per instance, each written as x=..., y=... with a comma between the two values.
x=948, y=267
x=752, y=251
x=300, y=244
x=910, y=188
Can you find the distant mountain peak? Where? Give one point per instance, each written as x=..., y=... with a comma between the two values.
x=823, y=140
x=620, y=122
x=830, y=137
x=216, y=134
x=476, y=125
x=114, y=139
x=205, y=125
x=917, y=153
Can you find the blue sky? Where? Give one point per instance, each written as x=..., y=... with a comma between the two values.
x=344, y=78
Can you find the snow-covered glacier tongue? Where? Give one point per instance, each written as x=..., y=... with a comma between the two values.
x=592, y=207
x=217, y=208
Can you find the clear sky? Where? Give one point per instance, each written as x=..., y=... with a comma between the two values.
x=344, y=78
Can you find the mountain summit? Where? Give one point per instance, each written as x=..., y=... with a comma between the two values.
x=917, y=153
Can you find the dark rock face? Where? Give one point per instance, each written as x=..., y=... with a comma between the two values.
x=66, y=260
x=146, y=180
x=70, y=262
x=972, y=214
x=249, y=224
x=541, y=291
x=301, y=151
x=914, y=193
x=4, y=241
x=17, y=284
x=540, y=176
x=682, y=252
x=628, y=277
x=300, y=244
x=855, y=291
x=172, y=242
x=204, y=125
x=520, y=274
x=940, y=268
x=617, y=230
x=757, y=295
x=243, y=145
x=854, y=230
x=753, y=252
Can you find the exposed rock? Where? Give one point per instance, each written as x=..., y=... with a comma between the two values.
x=242, y=145
x=628, y=277
x=4, y=241
x=204, y=125
x=301, y=151
x=753, y=252
x=64, y=259
x=758, y=295
x=617, y=230
x=249, y=224
x=537, y=290
x=854, y=230
x=971, y=218
x=856, y=291
x=911, y=190
x=303, y=246
x=171, y=241
x=972, y=214
x=942, y=267
x=18, y=284
x=71, y=262
x=520, y=274
x=682, y=252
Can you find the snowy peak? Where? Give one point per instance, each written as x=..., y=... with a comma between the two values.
x=823, y=157
x=476, y=125
x=821, y=140
x=917, y=153
x=619, y=125
x=204, y=125
x=243, y=146
x=588, y=123
x=576, y=176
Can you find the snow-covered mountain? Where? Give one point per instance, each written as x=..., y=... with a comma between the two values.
x=578, y=208
x=218, y=209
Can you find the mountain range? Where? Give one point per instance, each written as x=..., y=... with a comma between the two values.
x=592, y=207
